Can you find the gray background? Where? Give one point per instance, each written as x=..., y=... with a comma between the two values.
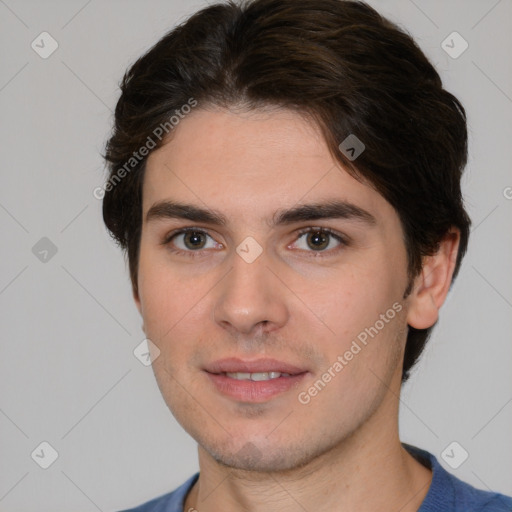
x=68, y=375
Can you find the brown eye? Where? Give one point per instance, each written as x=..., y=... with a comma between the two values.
x=190, y=241
x=194, y=239
x=318, y=240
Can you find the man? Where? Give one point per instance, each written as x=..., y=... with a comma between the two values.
x=285, y=179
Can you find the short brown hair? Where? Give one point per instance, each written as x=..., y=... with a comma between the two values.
x=341, y=63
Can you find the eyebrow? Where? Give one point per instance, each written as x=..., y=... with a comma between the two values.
x=332, y=209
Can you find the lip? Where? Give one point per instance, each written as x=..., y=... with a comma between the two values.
x=233, y=364
x=250, y=391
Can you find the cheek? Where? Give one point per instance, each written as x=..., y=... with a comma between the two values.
x=350, y=302
x=175, y=309
x=164, y=297
x=360, y=362
x=366, y=316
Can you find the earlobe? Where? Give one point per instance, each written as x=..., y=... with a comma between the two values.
x=431, y=286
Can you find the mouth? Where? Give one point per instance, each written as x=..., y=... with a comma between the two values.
x=253, y=381
x=256, y=376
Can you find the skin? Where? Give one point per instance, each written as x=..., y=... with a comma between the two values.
x=341, y=451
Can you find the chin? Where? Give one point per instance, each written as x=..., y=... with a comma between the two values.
x=260, y=456
x=254, y=461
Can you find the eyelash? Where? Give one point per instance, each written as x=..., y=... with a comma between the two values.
x=315, y=254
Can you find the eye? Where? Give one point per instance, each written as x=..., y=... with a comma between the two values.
x=189, y=240
x=319, y=240
x=193, y=241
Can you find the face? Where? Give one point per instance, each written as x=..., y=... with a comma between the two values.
x=262, y=285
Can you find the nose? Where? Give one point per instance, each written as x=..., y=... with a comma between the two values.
x=251, y=298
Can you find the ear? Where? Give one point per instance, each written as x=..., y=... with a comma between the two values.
x=431, y=286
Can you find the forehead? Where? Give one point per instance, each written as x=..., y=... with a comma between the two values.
x=259, y=139
x=251, y=163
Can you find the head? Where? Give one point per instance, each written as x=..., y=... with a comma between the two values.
x=243, y=112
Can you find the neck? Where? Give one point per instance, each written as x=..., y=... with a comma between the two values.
x=368, y=471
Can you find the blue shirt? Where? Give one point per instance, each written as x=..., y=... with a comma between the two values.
x=446, y=494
